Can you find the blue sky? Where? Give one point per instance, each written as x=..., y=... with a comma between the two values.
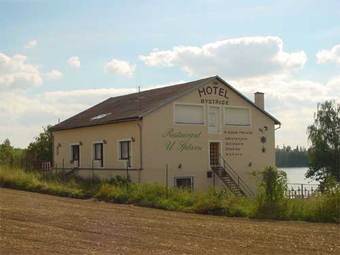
x=75, y=53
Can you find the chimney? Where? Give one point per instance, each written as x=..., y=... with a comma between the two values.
x=259, y=100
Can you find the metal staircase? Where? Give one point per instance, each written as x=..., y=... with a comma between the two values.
x=231, y=179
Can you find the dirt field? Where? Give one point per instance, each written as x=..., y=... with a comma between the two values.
x=42, y=224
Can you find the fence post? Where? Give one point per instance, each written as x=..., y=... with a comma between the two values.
x=92, y=173
x=214, y=181
x=166, y=181
x=301, y=190
x=127, y=175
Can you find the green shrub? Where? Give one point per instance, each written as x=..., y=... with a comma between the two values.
x=271, y=201
x=33, y=181
x=112, y=193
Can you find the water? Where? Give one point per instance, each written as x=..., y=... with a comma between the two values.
x=297, y=175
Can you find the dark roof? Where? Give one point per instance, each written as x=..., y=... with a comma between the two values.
x=135, y=106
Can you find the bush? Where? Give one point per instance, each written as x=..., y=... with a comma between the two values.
x=271, y=201
x=33, y=181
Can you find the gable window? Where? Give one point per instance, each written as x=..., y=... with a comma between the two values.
x=98, y=152
x=189, y=114
x=184, y=182
x=236, y=116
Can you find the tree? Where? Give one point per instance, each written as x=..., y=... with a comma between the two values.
x=41, y=148
x=324, y=134
x=6, y=153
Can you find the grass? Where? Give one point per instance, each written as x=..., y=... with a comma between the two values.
x=324, y=208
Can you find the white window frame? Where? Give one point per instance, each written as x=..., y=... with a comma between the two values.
x=71, y=152
x=119, y=152
x=189, y=104
x=93, y=151
x=184, y=177
x=233, y=125
x=221, y=120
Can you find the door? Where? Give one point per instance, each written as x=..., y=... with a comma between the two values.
x=214, y=154
x=213, y=119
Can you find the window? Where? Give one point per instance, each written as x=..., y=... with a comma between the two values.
x=124, y=150
x=75, y=152
x=236, y=116
x=184, y=182
x=189, y=114
x=98, y=151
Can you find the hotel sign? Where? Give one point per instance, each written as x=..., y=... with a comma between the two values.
x=206, y=92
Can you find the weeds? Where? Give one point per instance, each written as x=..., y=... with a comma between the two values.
x=270, y=202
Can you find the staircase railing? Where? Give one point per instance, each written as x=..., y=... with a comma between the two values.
x=242, y=185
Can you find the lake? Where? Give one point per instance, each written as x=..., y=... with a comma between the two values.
x=297, y=175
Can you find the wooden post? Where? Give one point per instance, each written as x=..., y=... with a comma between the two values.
x=214, y=182
x=166, y=180
x=92, y=173
x=127, y=174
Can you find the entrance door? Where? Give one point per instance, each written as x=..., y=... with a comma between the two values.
x=214, y=153
x=213, y=119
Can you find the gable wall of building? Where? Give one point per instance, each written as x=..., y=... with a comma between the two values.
x=184, y=148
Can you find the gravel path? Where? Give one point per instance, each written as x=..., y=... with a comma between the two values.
x=33, y=223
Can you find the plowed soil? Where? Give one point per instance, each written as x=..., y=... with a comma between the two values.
x=33, y=223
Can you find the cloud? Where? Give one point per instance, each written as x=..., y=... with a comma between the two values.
x=120, y=67
x=74, y=62
x=231, y=58
x=54, y=75
x=16, y=73
x=329, y=56
x=292, y=101
x=31, y=44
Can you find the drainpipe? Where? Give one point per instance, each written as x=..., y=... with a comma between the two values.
x=140, y=126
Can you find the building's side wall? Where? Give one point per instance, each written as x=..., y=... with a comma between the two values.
x=241, y=146
x=112, y=134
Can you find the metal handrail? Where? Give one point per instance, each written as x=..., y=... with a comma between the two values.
x=236, y=178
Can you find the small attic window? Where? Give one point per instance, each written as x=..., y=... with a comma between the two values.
x=100, y=116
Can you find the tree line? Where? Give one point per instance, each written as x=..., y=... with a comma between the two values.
x=37, y=151
x=286, y=156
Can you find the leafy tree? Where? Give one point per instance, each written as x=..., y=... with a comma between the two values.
x=288, y=157
x=41, y=148
x=324, y=134
x=6, y=153
x=271, y=200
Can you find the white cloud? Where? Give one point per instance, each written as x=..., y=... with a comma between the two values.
x=292, y=101
x=74, y=62
x=120, y=67
x=54, y=75
x=31, y=44
x=231, y=58
x=16, y=73
x=329, y=56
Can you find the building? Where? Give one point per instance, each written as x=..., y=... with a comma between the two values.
x=198, y=134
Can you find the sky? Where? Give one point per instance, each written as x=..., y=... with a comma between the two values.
x=58, y=58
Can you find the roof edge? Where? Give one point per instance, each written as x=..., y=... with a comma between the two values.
x=134, y=118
